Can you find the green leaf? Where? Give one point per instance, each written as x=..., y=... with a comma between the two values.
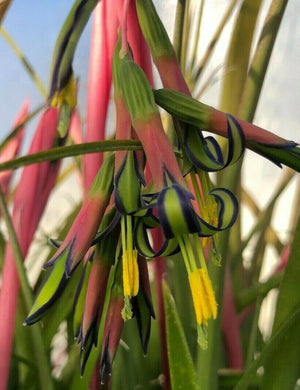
x=236, y=68
x=70, y=151
x=282, y=368
x=289, y=326
x=182, y=371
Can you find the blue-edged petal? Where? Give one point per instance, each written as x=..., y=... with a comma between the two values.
x=206, y=154
x=176, y=213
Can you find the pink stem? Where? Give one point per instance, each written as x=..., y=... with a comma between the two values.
x=230, y=327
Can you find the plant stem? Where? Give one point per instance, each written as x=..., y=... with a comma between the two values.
x=179, y=27
x=259, y=65
x=257, y=290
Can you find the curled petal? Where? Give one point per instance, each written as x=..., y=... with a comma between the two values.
x=144, y=245
x=176, y=213
x=228, y=207
x=178, y=217
x=206, y=154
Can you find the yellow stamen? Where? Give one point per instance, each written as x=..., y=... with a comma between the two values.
x=210, y=215
x=66, y=95
x=130, y=273
x=203, y=296
x=210, y=309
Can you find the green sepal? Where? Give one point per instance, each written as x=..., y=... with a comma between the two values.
x=182, y=370
x=64, y=120
x=153, y=30
x=50, y=290
x=79, y=299
x=137, y=91
x=127, y=186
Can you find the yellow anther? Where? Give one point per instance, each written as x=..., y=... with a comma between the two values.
x=203, y=296
x=130, y=273
x=211, y=307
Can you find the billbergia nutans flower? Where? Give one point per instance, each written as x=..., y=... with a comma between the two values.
x=77, y=242
x=159, y=185
x=172, y=200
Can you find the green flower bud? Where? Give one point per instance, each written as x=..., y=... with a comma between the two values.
x=127, y=186
x=136, y=90
x=184, y=107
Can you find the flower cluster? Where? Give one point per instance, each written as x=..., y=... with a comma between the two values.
x=165, y=186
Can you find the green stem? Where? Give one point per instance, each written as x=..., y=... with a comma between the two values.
x=179, y=26
x=259, y=65
x=43, y=367
x=70, y=151
x=38, y=82
x=257, y=290
x=214, y=40
x=197, y=34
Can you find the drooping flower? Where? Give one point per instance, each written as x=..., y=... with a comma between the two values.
x=127, y=190
x=113, y=326
x=95, y=292
x=77, y=242
x=200, y=116
x=175, y=211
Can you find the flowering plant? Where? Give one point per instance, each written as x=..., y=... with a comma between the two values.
x=157, y=238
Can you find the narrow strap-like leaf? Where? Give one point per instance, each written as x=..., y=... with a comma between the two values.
x=182, y=371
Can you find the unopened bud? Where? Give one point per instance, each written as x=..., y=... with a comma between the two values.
x=136, y=90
